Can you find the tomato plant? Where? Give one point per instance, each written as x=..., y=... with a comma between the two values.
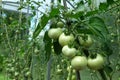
x=60, y=41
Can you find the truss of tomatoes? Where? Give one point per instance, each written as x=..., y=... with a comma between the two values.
x=77, y=62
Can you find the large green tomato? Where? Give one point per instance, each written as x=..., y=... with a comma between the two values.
x=54, y=33
x=60, y=24
x=79, y=62
x=96, y=63
x=69, y=52
x=88, y=42
x=65, y=39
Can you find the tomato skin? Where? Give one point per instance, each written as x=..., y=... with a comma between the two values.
x=96, y=63
x=60, y=24
x=54, y=33
x=87, y=43
x=65, y=39
x=69, y=52
x=79, y=62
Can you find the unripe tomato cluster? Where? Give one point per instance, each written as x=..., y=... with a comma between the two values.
x=77, y=62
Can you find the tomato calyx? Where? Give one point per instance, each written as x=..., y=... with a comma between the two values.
x=93, y=56
x=85, y=40
x=96, y=63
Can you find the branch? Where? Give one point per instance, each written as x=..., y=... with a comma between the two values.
x=49, y=68
x=65, y=4
x=12, y=50
x=78, y=75
x=70, y=4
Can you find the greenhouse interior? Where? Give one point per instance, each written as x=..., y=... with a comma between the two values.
x=59, y=39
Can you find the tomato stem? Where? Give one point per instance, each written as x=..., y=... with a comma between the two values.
x=78, y=75
x=102, y=73
x=86, y=52
x=49, y=68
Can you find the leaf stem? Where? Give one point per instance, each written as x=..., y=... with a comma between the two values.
x=78, y=75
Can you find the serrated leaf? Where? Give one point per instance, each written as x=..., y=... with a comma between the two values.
x=48, y=44
x=57, y=47
x=97, y=25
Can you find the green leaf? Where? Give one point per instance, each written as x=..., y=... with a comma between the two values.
x=77, y=15
x=84, y=30
x=48, y=44
x=90, y=13
x=54, y=12
x=98, y=27
x=103, y=6
x=43, y=21
x=21, y=7
x=89, y=2
x=108, y=70
x=57, y=47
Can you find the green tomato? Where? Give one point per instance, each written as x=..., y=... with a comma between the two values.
x=60, y=24
x=54, y=33
x=73, y=77
x=96, y=63
x=79, y=62
x=16, y=74
x=69, y=52
x=66, y=39
x=69, y=68
x=28, y=73
x=59, y=71
x=88, y=42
